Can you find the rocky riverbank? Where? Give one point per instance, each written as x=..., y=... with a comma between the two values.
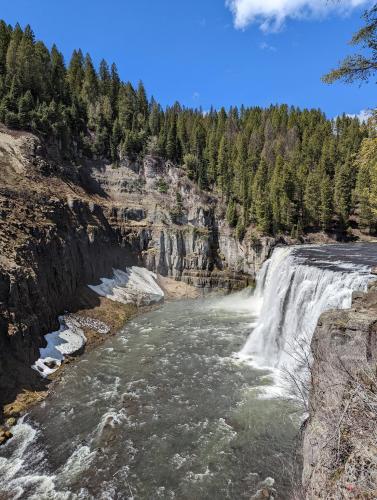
x=339, y=443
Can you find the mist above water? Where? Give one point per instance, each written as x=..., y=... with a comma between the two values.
x=294, y=287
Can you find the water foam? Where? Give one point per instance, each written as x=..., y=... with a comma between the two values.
x=17, y=477
x=292, y=292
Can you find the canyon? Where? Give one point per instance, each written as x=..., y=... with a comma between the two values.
x=65, y=226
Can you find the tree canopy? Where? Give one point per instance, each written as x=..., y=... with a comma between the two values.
x=359, y=67
x=280, y=169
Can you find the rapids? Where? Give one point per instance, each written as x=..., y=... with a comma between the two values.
x=167, y=410
x=163, y=410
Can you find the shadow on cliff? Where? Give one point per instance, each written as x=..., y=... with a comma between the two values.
x=84, y=299
x=19, y=383
x=88, y=181
x=18, y=380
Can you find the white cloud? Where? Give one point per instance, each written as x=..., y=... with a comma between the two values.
x=195, y=96
x=267, y=46
x=271, y=14
x=363, y=116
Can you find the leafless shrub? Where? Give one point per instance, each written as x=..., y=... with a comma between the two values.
x=348, y=450
x=296, y=378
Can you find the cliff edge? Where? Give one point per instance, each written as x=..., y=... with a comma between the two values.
x=339, y=444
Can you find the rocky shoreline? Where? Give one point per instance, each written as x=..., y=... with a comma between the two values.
x=114, y=315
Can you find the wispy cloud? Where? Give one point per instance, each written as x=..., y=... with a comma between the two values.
x=363, y=115
x=267, y=46
x=195, y=95
x=271, y=14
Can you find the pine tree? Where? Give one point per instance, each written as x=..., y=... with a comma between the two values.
x=343, y=191
x=211, y=155
x=25, y=107
x=5, y=36
x=114, y=86
x=75, y=73
x=142, y=104
x=191, y=164
x=281, y=196
x=89, y=90
x=240, y=228
x=326, y=203
x=240, y=167
x=199, y=141
x=261, y=207
x=104, y=79
x=182, y=134
x=58, y=76
x=126, y=106
x=11, y=62
x=312, y=198
x=172, y=144
x=25, y=61
x=231, y=213
x=154, y=118
x=202, y=178
x=222, y=166
x=366, y=190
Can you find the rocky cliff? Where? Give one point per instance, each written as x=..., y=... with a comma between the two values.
x=339, y=445
x=64, y=226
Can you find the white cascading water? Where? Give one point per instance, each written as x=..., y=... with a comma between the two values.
x=293, y=293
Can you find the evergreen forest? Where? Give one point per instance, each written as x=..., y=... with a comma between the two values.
x=280, y=169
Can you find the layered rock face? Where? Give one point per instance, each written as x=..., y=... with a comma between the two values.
x=63, y=227
x=339, y=445
x=182, y=231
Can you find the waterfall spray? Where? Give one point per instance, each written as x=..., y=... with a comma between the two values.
x=294, y=291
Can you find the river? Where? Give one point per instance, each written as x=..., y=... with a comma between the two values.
x=166, y=410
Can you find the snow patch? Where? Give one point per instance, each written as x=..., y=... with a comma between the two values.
x=67, y=340
x=136, y=286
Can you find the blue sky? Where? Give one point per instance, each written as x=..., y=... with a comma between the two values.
x=211, y=52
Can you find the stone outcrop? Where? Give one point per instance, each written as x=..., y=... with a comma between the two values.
x=64, y=226
x=339, y=442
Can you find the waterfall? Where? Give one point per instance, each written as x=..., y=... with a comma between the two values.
x=294, y=291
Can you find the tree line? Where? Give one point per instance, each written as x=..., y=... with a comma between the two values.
x=282, y=169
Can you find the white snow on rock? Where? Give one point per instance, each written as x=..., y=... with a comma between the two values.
x=136, y=286
x=67, y=340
